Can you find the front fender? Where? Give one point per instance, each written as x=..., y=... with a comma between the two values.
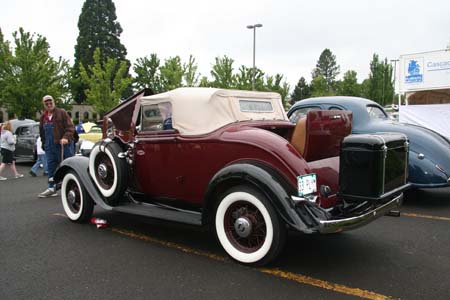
x=80, y=165
x=267, y=180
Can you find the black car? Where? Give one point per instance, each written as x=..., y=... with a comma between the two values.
x=27, y=135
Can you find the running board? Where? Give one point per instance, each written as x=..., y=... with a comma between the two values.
x=160, y=212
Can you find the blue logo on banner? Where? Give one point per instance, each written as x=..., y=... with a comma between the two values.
x=415, y=72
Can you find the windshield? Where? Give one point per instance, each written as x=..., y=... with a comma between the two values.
x=376, y=113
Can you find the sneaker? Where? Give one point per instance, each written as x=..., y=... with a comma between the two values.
x=2, y=178
x=48, y=193
x=32, y=173
x=19, y=175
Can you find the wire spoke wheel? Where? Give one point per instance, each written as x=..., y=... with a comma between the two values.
x=104, y=170
x=245, y=226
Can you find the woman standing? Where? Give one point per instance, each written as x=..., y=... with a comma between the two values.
x=7, y=144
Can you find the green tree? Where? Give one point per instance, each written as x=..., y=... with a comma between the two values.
x=349, y=85
x=301, y=91
x=105, y=81
x=28, y=73
x=243, y=79
x=5, y=63
x=327, y=68
x=222, y=73
x=172, y=73
x=147, y=73
x=319, y=87
x=98, y=28
x=275, y=84
x=204, y=82
x=380, y=83
x=190, y=74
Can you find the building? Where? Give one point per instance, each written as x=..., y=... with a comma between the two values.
x=78, y=112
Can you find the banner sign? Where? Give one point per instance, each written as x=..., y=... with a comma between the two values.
x=424, y=71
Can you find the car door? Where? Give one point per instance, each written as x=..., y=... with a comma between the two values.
x=26, y=139
x=155, y=154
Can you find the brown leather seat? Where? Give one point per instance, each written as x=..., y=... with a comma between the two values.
x=298, y=139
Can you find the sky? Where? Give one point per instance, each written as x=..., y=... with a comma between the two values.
x=293, y=35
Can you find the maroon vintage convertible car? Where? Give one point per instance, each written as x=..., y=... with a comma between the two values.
x=233, y=160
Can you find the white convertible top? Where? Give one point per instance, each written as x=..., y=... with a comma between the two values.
x=198, y=111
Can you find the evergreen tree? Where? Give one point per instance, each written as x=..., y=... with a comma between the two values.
x=28, y=73
x=380, y=86
x=327, y=68
x=98, y=29
x=319, y=87
x=301, y=91
x=349, y=85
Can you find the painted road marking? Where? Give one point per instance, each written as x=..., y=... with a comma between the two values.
x=413, y=215
x=339, y=288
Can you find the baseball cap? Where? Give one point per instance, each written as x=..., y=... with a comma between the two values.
x=47, y=97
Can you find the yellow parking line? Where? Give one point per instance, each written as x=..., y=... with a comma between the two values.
x=425, y=216
x=274, y=272
x=326, y=285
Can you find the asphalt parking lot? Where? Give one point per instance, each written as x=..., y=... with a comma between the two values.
x=45, y=256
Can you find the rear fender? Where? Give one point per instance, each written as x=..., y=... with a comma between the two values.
x=80, y=165
x=265, y=179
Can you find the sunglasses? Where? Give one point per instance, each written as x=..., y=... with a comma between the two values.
x=48, y=103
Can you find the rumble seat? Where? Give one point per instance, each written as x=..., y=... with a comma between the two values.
x=298, y=139
x=318, y=135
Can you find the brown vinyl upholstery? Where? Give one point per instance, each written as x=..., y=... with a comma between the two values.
x=298, y=139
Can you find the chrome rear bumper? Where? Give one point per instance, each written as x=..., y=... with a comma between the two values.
x=332, y=226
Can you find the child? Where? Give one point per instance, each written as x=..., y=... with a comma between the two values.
x=40, y=159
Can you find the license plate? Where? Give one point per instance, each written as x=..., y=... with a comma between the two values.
x=307, y=184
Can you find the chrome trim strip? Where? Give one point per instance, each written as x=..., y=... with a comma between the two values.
x=355, y=222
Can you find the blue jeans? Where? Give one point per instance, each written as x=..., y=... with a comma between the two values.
x=40, y=160
x=53, y=155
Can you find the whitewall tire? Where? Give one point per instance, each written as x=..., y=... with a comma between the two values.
x=108, y=171
x=77, y=203
x=248, y=228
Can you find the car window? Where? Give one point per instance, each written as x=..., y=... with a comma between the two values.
x=25, y=131
x=36, y=129
x=156, y=117
x=255, y=106
x=301, y=112
x=334, y=108
x=95, y=129
x=376, y=113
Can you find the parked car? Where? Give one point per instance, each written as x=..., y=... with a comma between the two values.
x=429, y=152
x=232, y=159
x=91, y=133
x=27, y=134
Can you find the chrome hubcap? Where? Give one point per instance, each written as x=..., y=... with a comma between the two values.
x=102, y=171
x=243, y=227
x=71, y=196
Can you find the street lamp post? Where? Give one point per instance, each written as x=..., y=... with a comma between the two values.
x=395, y=75
x=254, y=42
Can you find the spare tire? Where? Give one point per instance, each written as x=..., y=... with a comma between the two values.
x=109, y=172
